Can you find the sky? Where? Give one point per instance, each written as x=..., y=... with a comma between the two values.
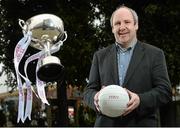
x=2, y=80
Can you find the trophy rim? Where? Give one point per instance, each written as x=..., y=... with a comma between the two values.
x=36, y=24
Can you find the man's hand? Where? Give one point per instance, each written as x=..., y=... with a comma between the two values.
x=96, y=99
x=133, y=102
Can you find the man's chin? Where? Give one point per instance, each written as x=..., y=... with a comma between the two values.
x=124, y=43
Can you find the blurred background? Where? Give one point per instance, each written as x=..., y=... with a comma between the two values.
x=88, y=28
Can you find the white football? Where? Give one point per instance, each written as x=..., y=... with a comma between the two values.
x=113, y=100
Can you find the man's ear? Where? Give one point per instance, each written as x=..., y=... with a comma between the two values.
x=136, y=26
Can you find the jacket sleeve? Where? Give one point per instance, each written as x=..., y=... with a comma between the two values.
x=161, y=93
x=94, y=84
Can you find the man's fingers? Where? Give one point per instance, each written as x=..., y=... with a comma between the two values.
x=133, y=102
x=96, y=100
x=130, y=108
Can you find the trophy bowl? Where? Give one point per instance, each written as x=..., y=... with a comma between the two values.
x=47, y=30
x=45, y=27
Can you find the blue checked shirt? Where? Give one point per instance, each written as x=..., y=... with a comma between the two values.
x=123, y=57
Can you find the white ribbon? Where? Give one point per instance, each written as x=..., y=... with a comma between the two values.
x=20, y=50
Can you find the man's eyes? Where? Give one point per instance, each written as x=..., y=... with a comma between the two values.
x=125, y=22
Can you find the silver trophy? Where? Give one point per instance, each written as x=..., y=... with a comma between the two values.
x=47, y=33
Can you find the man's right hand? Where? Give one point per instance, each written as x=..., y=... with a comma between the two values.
x=96, y=99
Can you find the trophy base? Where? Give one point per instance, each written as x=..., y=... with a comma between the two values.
x=50, y=72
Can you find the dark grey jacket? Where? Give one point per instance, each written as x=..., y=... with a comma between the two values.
x=146, y=75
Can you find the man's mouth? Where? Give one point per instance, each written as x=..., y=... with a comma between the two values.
x=124, y=33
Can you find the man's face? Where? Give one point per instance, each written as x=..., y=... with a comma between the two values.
x=124, y=27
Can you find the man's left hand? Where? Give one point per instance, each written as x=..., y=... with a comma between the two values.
x=133, y=102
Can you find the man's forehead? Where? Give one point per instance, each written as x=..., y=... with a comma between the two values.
x=122, y=13
x=123, y=10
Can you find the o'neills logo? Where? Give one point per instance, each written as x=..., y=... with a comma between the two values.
x=113, y=97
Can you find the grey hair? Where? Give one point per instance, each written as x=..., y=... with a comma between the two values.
x=134, y=14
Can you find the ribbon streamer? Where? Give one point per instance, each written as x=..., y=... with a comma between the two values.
x=20, y=50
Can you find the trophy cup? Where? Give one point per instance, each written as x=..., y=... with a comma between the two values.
x=47, y=33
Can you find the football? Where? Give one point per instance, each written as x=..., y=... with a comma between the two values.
x=113, y=100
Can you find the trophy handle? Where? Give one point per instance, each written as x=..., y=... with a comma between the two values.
x=60, y=43
x=65, y=34
x=23, y=25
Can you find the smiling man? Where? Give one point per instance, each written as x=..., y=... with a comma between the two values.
x=124, y=23
x=136, y=66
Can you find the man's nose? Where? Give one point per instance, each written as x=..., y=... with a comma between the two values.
x=122, y=28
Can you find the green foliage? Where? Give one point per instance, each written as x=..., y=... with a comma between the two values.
x=158, y=25
x=4, y=43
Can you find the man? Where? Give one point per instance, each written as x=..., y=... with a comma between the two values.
x=136, y=66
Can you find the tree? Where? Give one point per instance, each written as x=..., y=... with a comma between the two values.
x=4, y=43
x=160, y=27
x=84, y=37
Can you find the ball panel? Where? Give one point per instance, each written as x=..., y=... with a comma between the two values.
x=113, y=100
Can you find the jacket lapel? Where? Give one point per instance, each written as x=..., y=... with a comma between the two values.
x=135, y=60
x=113, y=65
